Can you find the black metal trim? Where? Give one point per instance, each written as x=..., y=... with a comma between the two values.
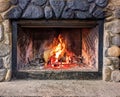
x=66, y=75
x=14, y=48
x=101, y=33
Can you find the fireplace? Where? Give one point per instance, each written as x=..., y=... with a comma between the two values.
x=56, y=49
x=60, y=17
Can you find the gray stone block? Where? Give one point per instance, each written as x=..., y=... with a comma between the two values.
x=107, y=74
x=38, y=2
x=117, y=13
x=68, y=13
x=2, y=74
x=91, y=1
x=57, y=6
x=115, y=76
x=113, y=26
x=83, y=15
x=92, y=7
x=64, y=9
x=82, y=5
x=102, y=3
x=98, y=13
x=1, y=63
x=33, y=12
x=23, y=3
x=1, y=32
x=4, y=50
x=116, y=40
x=48, y=12
x=14, y=13
x=115, y=62
x=7, y=61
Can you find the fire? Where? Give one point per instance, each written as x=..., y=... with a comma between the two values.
x=59, y=49
x=59, y=56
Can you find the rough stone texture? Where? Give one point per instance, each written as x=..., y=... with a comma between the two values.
x=59, y=88
x=107, y=74
x=108, y=14
x=109, y=19
x=8, y=75
x=112, y=38
x=68, y=9
x=4, y=50
x=78, y=4
x=8, y=38
x=116, y=40
x=33, y=12
x=113, y=51
x=107, y=39
x=1, y=63
x=101, y=3
x=115, y=62
x=117, y=13
x=57, y=6
x=113, y=26
x=2, y=74
x=13, y=2
x=48, y=12
x=67, y=13
x=91, y=1
x=38, y=2
x=115, y=76
x=7, y=61
x=7, y=30
x=92, y=8
x=98, y=13
x=7, y=26
x=112, y=67
x=107, y=62
x=1, y=32
x=14, y=13
x=61, y=9
x=5, y=5
x=82, y=15
x=115, y=2
x=1, y=19
x=23, y=3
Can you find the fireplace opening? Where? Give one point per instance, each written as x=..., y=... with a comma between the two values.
x=46, y=49
x=57, y=48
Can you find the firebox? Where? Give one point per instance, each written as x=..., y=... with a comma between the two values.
x=57, y=49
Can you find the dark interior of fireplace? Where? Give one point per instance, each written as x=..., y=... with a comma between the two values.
x=73, y=49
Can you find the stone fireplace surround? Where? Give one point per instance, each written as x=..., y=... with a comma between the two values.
x=63, y=9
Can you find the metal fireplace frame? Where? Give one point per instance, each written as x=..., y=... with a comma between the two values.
x=57, y=75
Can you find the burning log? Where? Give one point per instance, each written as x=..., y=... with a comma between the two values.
x=46, y=55
x=36, y=62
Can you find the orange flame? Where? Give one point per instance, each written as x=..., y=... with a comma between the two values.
x=59, y=51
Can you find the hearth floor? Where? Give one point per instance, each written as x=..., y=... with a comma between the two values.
x=61, y=88
x=76, y=68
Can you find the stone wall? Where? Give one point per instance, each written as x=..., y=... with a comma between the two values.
x=57, y=9
x=5, y=42
x=111, y=70
x=111, y=52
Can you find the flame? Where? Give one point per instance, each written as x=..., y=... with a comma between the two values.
x=58, y=51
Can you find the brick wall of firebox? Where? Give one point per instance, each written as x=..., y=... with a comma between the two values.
x=111, y=53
